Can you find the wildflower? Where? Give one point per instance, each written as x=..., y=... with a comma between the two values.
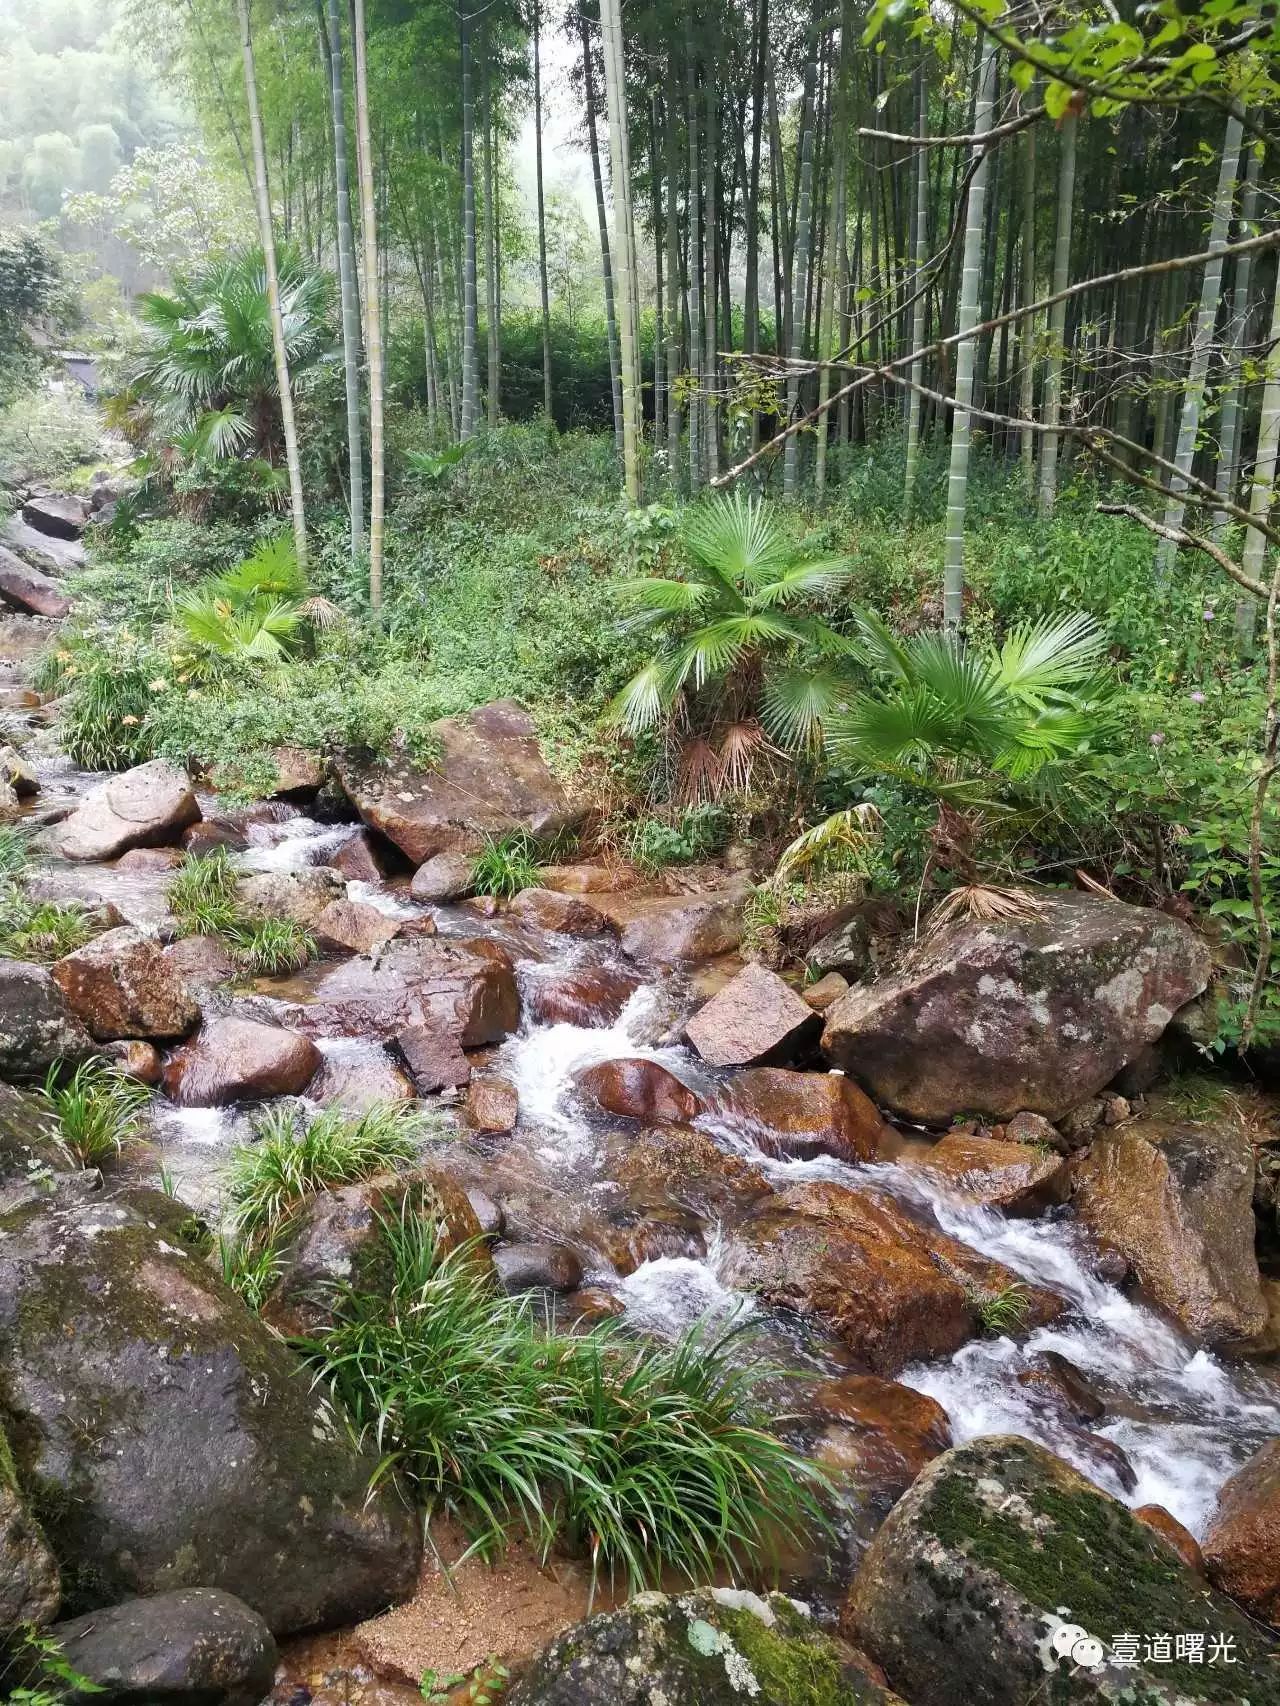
x=1196, y=698
x=159, y=685
x=129, y=721
x=1157, y=739
x=1208, y=615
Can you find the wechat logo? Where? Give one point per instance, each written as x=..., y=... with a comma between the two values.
x=1072, y=1642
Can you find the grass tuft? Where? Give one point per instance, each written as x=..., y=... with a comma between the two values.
x=202, y=894
x=1004, y=1311
x=505, y=867
x=272, y=947
x=98, y=1110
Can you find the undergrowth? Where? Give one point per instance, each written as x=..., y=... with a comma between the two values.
x=98, y=1110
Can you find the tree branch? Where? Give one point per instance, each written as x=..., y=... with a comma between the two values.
x=1183, y=537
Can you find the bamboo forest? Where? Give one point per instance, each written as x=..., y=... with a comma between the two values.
x=639, y=853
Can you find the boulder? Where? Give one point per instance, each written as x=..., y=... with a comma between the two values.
x=1176, y=1202
x=336, y=1239
x=434, y=1058
x=1003, y=1576
x=151, y=859
x=28, y=589
x=353, y=927
x=136, y=1059
x=1242, y=1547
x=879, y=1435
x=51, y=556
x=756, y=1019
x=447, y=876
x=193, y=1647
x=1034, y=1129
x=36, y=1025
x=717, y=1647
x=175, y=1440
x=590, y=996
x=639, y=1090
x=10, y=805
x=147, y=806
x=669, y=930
x=893, y=1289
x=825, y=992
x=1012, y=1176
x=121, y=985
x=1169, y=1528
x=300, y=895
x=561, y=914
x=30, y=1152
x=802, y=1114
x=992, y=1017
x=586, y=879
x=30, y=1588
x=358, y=860
x=675, y=1165
x=491, y=780
x=20, y=776
x=209, y=834
x=537, y=1267
x=464, y=990
x=236, y=1060
x=1058, y=1384
x=359, y=1076
x=201, y=961
x=56, y=514
x=493, y=1105
x=297, y=770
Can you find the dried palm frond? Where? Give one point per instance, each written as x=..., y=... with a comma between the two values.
x=984, y=903
x=838, y=841
x=742, y=746
x=700, y=776
x=1093, y=886
x=322, y=612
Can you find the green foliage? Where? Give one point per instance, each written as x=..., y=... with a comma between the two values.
x=47, y=1677
x=270, y=947
x=202, y=896
x=98, y=1110
x=644, y=1457
x=250, y=1266
x=41, y=930
x=266, y=1179
x=15, y=851
x=251, y=615
x=45, y=434
x=505, y=865
x=698, y=832
x=1003, y=1311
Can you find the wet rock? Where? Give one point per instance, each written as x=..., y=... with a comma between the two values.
x=1034, y=1129
x=639, y=1090
x=998, y=1545
x=1242, y=1547
x=20, y=776
x=995, y=1017
x=717, y=1647
x=121, y=985
x=825, y=992
x=894, y=1290
x=1176, y=1201
x=297, y=770
x=586, y=879
x=30, y=1589
x=537, y=1267
x=51, y=556
x=36, y=1025
x=857, y=944
x=300, y=895
x=56, y=514
x=491, y=780
x=1060, y=1384
x=756, y=1019
x=362, y=1079
x=593, y=996
x=196, y=1646
x=137, y=1060
x=1182, y=1540
x=802, y=1114
x=492, y=1105
x=25, y=588
x=673, y=1164
x=592, y=1304
x=211, y=833
x=145, y=807
x=201, y=961
x=336, y=1239
x=353, y=927
x=30, y=1151
x=1011, y=1176
x=151, y=859
x=434, y=1058
x=237, y=1060
x=1078, y=1124
x=488, y=1215
x=880, y=1435
x=176, y=1440
x=561, y=914
x=670, y=930
x=448, y=876
x=1106, y=1463
x=463, y=990
x=358, y=859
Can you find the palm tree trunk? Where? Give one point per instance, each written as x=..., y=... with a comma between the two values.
x=966, y=320
x=921, y=306
x=1058, y=316
x=346, y=279
x=1027, y=325
x=262, y=190
x=1202, y=339
x=372, y=312
x=624, y=242
x=470, y=372
x=543, y=287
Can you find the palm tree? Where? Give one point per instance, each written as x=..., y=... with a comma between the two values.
x=741, y=655
x=256, y=613
x=207, y=366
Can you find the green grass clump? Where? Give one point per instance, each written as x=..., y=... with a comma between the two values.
x=270, y=947
x=249, y=1266
x=40, y=930
x=505, y=866
x=98, y=1110
x=1004, y=1311
x=266, y=1179
x=202, y=894
x=644, y=1458
x=15, y=851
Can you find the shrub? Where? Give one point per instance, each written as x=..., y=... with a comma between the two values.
x=699, y=832
x=505, y=866
x=98, y=1110
x=271, y=947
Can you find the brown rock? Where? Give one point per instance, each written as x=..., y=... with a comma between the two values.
x=20, y=776
x=491, y=780
x=28, y=589
x=353, y=927
x=238, y=1060
x=639, y=1090
x=992, y=1017
x=825, y=992
x=57, y=514
x=297, y=770
x=448, y=876
x=562, y=914
x=300, y=895
x=466, y=990
x=587, y=879
x=884, y=1433
x=1176, y=1202
x=360, y=1079
x=591, y=996
x=755, y=1019
x=1031, y=1128
x=137, y=1060
x=1078, y=1124
x=213, y=832
x=679, y=929
x=674, y=1164
x=894, y=1290
x=358, y=859
x=592, y=1304
x=802, y=1114
x=1181, y=1539
x=146, y=807
x=121, y=985
x=1061, y=1385
x=51, y=556
x=37, y=1027
x=201, y=961
x=537, y=1267
x=1242, y=1547
x=492, y=1105
x=151, y=859
x=1012, y=1176
x=434, y=1058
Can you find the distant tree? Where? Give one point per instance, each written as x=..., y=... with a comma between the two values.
x=32, y=288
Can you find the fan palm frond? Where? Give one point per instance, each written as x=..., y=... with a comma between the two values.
x=796, y=703
x=739, y=538
x=803, y=580
x=645, y=699
x=1042, y=658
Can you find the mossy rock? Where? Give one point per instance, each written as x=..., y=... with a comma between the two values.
x=996, y=1547
x=166, y=1438
x=720, y=1647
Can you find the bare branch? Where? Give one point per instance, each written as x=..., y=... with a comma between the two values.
x=1183, y=537
x=988, y=138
